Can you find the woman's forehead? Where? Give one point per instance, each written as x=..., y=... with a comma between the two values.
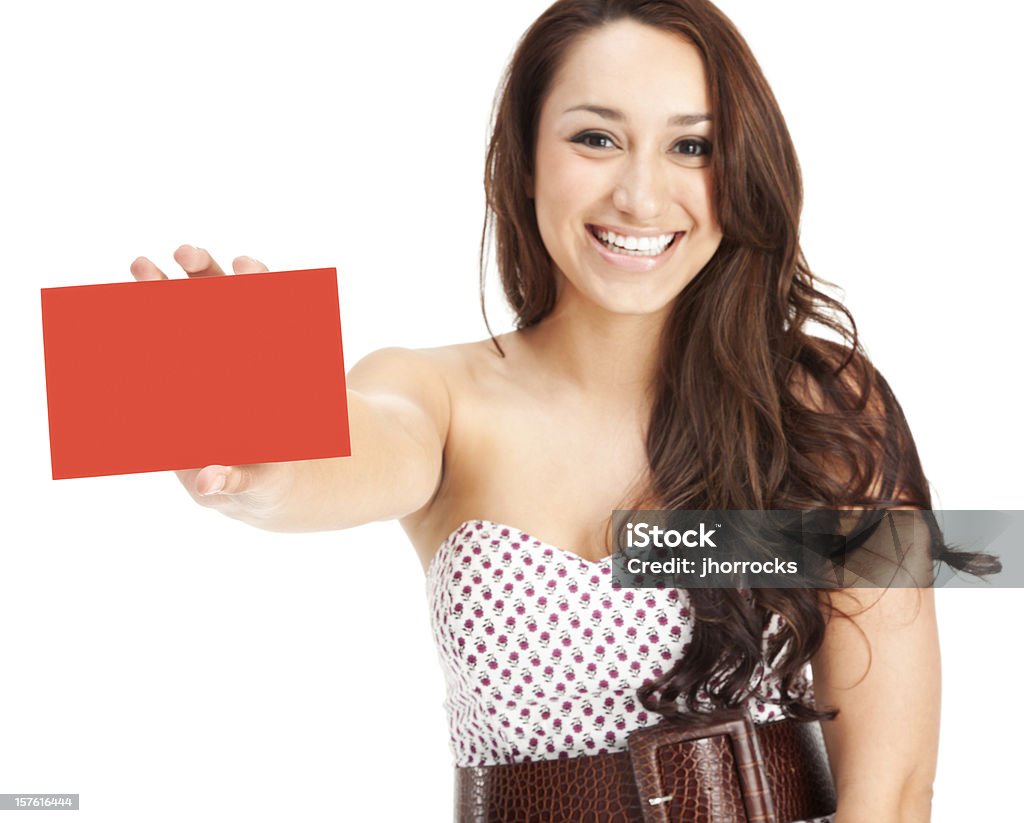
x=629, y=65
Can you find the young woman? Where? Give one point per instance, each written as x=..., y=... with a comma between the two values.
x=644, y=199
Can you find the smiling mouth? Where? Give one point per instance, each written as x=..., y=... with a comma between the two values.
x=634, y=246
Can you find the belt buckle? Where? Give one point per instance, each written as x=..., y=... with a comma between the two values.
x=643, y=746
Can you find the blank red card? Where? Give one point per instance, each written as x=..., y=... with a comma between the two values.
x=184, y=373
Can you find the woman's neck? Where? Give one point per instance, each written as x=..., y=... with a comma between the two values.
x=598, y=352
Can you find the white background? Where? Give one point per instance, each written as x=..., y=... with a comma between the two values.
x=168, y=663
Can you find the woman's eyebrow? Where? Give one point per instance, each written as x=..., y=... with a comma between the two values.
x=618, y=116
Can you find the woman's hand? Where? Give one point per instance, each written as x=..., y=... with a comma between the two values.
x=398, y=414
x=251, y=492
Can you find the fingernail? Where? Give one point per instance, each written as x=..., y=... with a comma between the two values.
x=218, y=484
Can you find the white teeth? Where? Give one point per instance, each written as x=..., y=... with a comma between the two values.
x=642, y=246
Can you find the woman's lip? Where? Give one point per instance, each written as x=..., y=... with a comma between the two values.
x=634, y=262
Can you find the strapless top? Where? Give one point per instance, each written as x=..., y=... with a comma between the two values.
x=542, y=655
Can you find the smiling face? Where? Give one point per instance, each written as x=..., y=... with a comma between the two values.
x=622, y=183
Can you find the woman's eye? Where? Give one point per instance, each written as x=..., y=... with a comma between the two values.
x=692, y=147
x=591, y=139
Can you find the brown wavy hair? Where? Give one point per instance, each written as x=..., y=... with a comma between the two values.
x=751, y=411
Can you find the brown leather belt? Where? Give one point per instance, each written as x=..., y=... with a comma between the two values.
x=729, y=772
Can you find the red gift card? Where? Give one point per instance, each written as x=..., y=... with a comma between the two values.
x=180, y=374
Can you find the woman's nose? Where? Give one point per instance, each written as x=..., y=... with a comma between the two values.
x=641, y=189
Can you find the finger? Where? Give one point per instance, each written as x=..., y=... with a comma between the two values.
x=142, y=268
x=247, y=265
x=197, y=262
x=219, y=480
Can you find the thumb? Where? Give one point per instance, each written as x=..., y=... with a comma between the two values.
x=222, y=480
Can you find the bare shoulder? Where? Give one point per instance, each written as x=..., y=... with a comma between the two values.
x=425, y=380
x=395, y=368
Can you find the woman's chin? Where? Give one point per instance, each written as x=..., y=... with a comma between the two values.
x=630, y=298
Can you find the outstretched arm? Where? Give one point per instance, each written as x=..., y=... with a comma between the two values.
x=398, y=422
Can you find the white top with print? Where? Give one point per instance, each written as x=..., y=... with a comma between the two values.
x=542, y=654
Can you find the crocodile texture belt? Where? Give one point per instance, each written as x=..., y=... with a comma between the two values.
x=731, y=771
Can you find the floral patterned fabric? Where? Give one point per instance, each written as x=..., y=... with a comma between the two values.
x=542, y=655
